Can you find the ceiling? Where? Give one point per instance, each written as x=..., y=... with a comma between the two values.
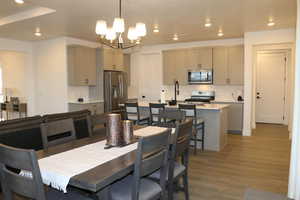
x=77, y=18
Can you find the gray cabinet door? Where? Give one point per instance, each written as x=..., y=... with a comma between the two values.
x=169, y=67
x=236, y=65
x=81, y=66
x=205, y=57
x=220, y=66
x=235, y=118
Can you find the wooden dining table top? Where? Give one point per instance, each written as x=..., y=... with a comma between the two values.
x=101, y=176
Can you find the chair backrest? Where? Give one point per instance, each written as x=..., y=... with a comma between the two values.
x=168, y=118
x=154, y=111
x=152, y=155
x=58, y=132
x=81, y=121
x=190, y=110
x=13, y=183
x=132, y=110
x=98, y=119
x=180, y=146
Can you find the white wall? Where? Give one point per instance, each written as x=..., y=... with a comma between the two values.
x=139, y=59
x=51, y=76
x=25, y=82
x=251, y=39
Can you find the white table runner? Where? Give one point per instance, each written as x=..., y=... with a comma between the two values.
x=150, y=130
x=57, y=170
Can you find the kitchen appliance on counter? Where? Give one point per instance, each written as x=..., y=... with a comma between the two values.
x=201, y=96
x=200, y=77
x=115, y=90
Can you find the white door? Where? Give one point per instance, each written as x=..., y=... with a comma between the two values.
x=150, y=77
x=270, y=87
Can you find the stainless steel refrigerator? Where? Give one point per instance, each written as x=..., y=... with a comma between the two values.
x=115, y=90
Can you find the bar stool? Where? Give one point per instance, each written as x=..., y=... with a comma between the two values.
x=154, y=112
x=198, y=124
x=132, y=112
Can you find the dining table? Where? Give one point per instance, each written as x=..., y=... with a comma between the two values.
x=96, y=181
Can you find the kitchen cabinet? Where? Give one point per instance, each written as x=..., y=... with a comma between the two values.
x=95, y=108
x=235, y=116
x=174, y=67
x=112, y=59
x=177, y=63
x=228, y=65
x=220, y=60
x=198, y=58
x=81, y=65
x=236, y=65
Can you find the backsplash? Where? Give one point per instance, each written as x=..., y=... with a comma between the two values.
x=75, y=92
x=222, y=92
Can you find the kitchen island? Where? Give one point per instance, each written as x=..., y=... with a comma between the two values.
x=216, y=123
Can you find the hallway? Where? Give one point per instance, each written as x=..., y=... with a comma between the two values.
x=260, y=161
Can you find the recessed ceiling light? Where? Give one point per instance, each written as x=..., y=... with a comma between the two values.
x=207, y=24
x=175, y=37
x=19, y=1
x=271, y=23
x=38, y=32
x=220, y=34
x=156, y=30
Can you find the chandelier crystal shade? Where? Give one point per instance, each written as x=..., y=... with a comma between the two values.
x=113, y=36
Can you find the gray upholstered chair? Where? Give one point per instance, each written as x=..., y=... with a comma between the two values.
x=26, y=187
x=58, y=132
x=199, y=124
x=179, y=151
x=168, y=118
x=152, y=155
x=154, y=109
x=132, y=112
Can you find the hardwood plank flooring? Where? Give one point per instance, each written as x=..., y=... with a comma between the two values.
x=260, y=161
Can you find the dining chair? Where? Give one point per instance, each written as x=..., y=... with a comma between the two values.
x=154, y=109
x=168, y=118
x=151, y=155
x=97, y=123
x=132, y=112
x=57, y=132
x=16, y=186
x=179, y=150
x=198, y=124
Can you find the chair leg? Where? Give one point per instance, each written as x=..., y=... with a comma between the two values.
x=186, y=186
x=170, y=190
x=195, y=142
x=203, y=132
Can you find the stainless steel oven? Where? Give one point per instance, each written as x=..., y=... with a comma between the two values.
x=203, y=76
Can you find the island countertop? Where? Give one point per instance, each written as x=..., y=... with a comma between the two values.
x=213, y=107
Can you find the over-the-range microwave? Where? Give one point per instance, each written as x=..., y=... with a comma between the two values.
x=202, y=76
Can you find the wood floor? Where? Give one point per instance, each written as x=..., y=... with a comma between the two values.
x=260, y=161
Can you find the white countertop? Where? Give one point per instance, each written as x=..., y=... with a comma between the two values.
x=227, y=101
x=86, y=102
x=199, y=107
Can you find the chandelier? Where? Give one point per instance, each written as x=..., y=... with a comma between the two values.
x=113, y=36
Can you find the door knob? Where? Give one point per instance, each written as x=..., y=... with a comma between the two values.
x=258, y=97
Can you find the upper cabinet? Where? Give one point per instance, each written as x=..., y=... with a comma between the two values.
x=228, y=65
x=176, y=63
x=113, y=59
x=81, y=65
x=198, y=58
x=236, y=65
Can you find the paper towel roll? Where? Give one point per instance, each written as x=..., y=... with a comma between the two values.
x=163, y=96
